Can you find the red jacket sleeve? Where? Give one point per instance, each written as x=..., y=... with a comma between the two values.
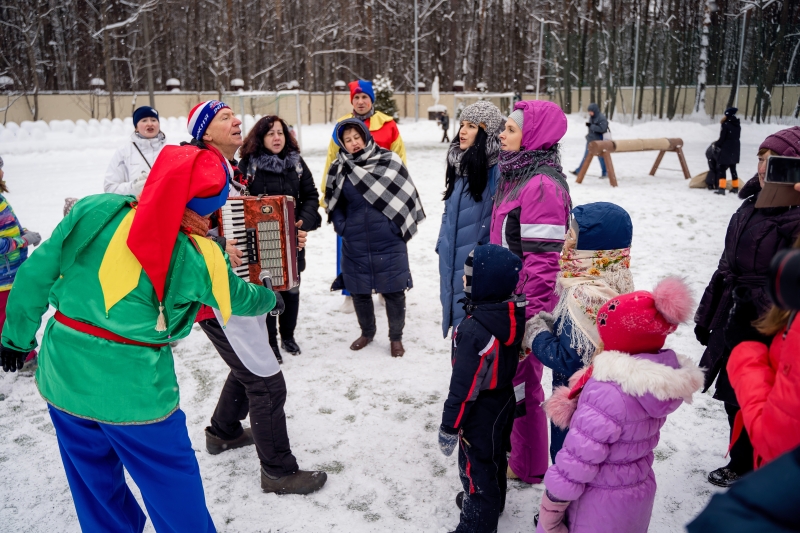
x=767, y=385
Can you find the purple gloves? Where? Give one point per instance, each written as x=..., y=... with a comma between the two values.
x=551, y=516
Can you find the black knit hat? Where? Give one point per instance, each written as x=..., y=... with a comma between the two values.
x=144, y=112
x=468, y=274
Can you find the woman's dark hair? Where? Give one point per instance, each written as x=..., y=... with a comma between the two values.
x=349, y=127
x=473, y=165
x=254, y=142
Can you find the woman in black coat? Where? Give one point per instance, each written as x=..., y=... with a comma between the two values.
x=737, y=293
x=727, y=150
x=375, y=208
x=271, y=165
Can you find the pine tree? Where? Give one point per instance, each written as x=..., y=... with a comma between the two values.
x=384, y=96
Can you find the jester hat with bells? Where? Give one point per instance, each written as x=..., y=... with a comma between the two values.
x=182, y=177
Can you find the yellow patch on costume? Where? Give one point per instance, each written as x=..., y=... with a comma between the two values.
x=120, y=270
x=218, y=272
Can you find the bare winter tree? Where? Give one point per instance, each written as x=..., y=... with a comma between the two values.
x=59, y=45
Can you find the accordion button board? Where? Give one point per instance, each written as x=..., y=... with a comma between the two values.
x=264, y=227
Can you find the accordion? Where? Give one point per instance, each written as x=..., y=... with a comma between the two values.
x=264, y=227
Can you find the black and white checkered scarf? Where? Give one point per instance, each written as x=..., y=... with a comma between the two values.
x=380, y=176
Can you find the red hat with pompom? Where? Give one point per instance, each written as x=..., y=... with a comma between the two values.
x=639, y=322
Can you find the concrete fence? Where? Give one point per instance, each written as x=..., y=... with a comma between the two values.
x=319, y=107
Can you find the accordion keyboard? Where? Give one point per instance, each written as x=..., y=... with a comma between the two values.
x=233, y=228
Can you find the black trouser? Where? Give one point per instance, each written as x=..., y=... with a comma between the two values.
x=262, y=398
x=721, y=169
x=445, y=136
x=287, y=320
x=395, y=312
x=482, y=461
x=742, y=452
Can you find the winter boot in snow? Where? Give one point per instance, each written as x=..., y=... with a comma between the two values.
x=216, y=445
x=735, y=191
x=360, y=342
x=301, y=482
x=277, y=352
x=347, y=305
x=720, y=192
x=723, y=477
x=460, y=499
x=290, y=346
x=397, y=349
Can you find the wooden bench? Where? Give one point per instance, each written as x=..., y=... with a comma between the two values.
x=604, y=149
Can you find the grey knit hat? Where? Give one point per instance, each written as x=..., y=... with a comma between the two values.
x=484, y=112
x=518, y=117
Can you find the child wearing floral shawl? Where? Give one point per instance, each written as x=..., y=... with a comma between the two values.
x=595, y=267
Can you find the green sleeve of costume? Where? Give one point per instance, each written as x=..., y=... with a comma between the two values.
x=29, y=298
x=247, y=299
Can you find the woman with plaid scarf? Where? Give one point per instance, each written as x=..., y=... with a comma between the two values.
x=375, y=208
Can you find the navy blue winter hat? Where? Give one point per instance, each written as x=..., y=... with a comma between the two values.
x=144, y=112
x=492, y=273
x=602, y=226
x=731, y=111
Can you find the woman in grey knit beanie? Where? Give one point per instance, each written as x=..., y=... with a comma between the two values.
x=469, y=186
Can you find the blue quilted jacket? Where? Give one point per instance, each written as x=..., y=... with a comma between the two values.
x=465, y=224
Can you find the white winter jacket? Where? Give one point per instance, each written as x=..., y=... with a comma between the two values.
x=127, y=165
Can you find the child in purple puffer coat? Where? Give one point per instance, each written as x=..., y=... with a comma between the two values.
x=602, y=479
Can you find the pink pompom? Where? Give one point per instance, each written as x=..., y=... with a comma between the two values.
x=673, y=300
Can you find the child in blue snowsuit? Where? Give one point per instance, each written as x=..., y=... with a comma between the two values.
x=485, y=353
x=595, y=267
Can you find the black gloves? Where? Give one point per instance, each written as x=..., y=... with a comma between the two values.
x=280, y=307
x=12, y=359
x=588, y=123
x=702, y=334
x=448, y=438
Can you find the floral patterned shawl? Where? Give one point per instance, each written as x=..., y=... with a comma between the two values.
x=588, y=279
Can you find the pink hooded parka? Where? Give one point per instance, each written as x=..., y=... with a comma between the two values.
x=533, y=226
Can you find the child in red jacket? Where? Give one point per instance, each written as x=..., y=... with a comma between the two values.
x=767, y=380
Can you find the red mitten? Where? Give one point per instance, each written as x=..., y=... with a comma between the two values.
x=551, y=516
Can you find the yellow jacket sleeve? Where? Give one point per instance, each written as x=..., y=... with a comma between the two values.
x=333, y=149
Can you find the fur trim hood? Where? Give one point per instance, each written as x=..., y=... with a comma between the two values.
x=656, y=380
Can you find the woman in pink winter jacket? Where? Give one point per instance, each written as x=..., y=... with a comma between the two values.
x=531, y=218
x=602, y=480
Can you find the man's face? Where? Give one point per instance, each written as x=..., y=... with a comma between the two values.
x=361, y=103
x=224, y=132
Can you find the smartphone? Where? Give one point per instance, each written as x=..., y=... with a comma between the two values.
x=781, y=176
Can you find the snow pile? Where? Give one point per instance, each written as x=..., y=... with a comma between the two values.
x=367, y=419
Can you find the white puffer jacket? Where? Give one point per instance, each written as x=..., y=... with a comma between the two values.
x=128, y=165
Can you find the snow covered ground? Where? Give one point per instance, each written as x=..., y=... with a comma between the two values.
x=369, y=420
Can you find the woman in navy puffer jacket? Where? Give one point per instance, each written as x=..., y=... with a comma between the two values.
x=471, y=178
x=375, y=208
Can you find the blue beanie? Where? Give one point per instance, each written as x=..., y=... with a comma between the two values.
x=144, y=112
x=602, y=226
x=492, y=273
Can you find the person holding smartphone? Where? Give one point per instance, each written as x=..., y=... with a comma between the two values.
x=737, y=292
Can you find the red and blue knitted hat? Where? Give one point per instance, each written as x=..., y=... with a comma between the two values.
x=361, y=86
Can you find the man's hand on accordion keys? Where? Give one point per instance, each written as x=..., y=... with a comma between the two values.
x=234, y=253
x=301, y=236
x=266, y=279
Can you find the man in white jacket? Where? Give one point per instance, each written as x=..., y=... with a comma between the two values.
x=130, y=166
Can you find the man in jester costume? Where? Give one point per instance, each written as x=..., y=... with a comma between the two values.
x=126, y=278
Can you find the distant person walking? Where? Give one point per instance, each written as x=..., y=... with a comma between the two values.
x=444, y=122
x=131, y=164
x=598, y=125
x=728, y=150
